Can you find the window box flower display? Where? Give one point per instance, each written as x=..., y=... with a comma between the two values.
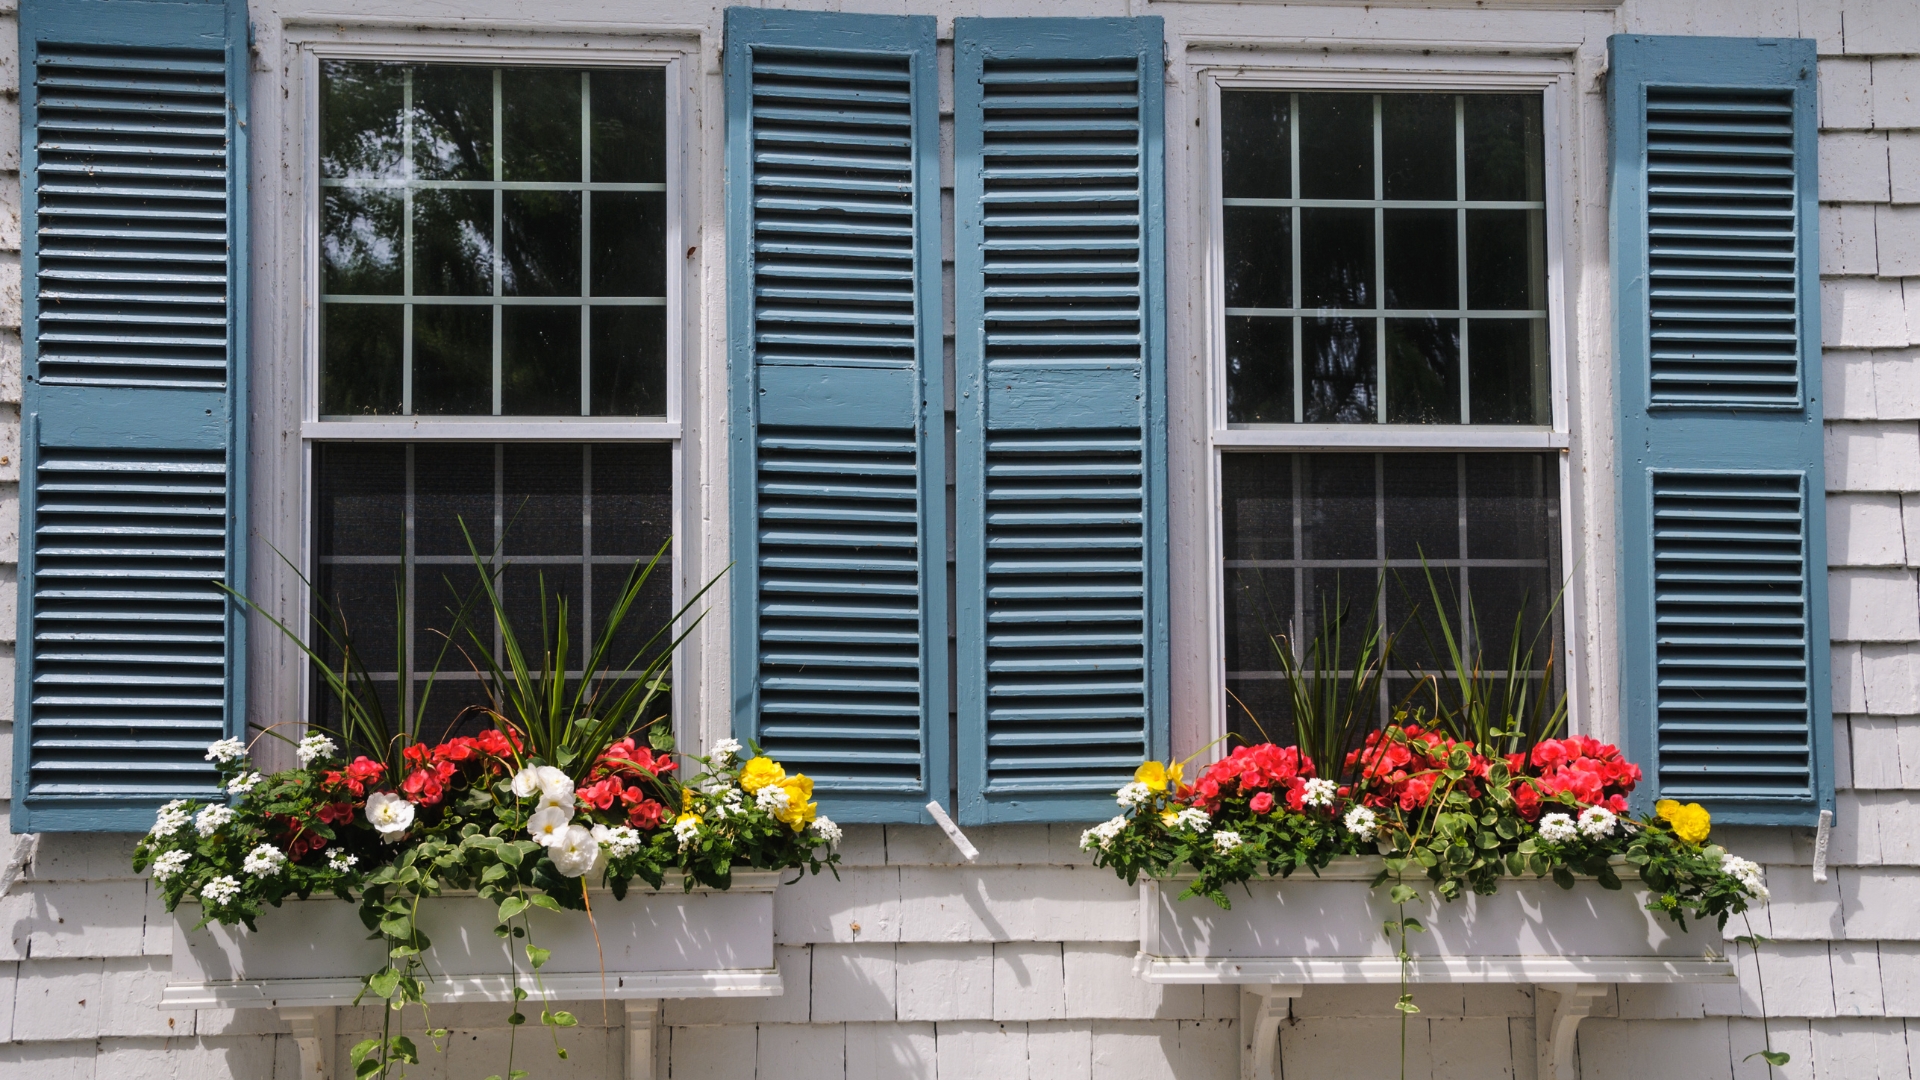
x=1421, y=858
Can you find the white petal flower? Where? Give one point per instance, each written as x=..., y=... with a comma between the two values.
x=170, y=863
x=773, y=798
x=170, y=819
x=1747, y=873
x=243, y=783
x=826, y=831
x=1558, y=829
x=575, y=852
x=220, y=890
x=341, y=861
x=315, y=747
x=389, y=814
x=208, y=821
x=1133, y=794
x=550, y=824
x=226, y=750
x=1225, y=840
x=724, y=752
x=1597, y=822
x=264, y=861
x=1362, y=823
x=1320, y=792
x=1102, y=835
x=1192, y=818
x=686, y=829
x=620, y=840
x=526, y=782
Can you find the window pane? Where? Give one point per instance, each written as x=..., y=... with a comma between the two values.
x=629, y=361
x=570, y=519
x=1509, y=380
x=1259, y=256
x=360, y=126
x=1504, y=146
x=1336, y=258
x=629, y=126
x=452, y=215
x=1423, y=261
x=539, y=124
x=1504, y=253
x=1487, y=525
x=1336, y=146
x=1417, y=146
x=1423, y=371
x=1341, y=370
x=1255, y=150
x=360, y=359
x=1259, y=370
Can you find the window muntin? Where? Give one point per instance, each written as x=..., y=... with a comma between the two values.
x=388, y=553
x=492, y=241
x=1385, y=258
x=1305, y=533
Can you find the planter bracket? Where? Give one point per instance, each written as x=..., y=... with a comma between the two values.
x=1558, y=1009
x=1262, y=1007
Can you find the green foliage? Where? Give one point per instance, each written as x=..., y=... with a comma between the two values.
x=1336, y=700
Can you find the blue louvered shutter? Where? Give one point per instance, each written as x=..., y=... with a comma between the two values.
x=1723, y=608
x=1060, y=468
x=133, y=445
x=838, y=474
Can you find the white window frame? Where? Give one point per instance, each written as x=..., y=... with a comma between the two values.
x=297, y=259
x=1551, y=76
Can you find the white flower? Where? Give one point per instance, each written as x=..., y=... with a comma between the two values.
x=549, y=824
x=341, y=861
x=171, y=819
x=243, y=783
x=1192, y=818
x=686, y=829
x=227, y=750
x=1557, y=829
x=1101, y=835
x=1747, y=873
x=389, y=814
x=772, y=798
x=1225, y=840
x=264, y=861
x=1132, y=795
x=208, y=821
x=1320, y=792
x=315, y=747
x=621, y=841
x=220, y=890
x=170, y=863
x=1597, y=822
x=1362, y=823
x=553, y=787
x=826, y=831
x=575, y=852
x=724, y=752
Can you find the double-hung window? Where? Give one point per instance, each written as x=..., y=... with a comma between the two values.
x=491, y=358
x=1386, y=403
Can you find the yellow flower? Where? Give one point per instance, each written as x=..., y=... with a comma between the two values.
x=800, y=810
x=1158, y=777
x=1691, y=823
x=760, y=772
x=1169, y=818
x=1666, y=808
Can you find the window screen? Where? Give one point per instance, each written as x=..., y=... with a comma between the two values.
x=392, y=562
x=1385, y=258
x=1311, y=533
x=492, y=241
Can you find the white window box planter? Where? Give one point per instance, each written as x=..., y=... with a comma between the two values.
x=1304, y=929
x=310, y=956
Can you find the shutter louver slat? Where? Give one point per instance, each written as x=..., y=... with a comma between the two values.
x=1721, y=249
x=1061, y=560
x=133, y=507
x=1725, y=697
x=829, y=186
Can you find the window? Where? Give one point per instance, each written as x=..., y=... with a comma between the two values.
x=1385, y=258
x=1384, y=263
x=492, y=255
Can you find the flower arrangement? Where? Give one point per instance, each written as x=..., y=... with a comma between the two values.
x=474, y=813
x=1432, y=805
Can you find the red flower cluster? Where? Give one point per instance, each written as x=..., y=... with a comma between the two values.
x=1402, y=772
x=355, y=778
x=1260, y=771
x=608, y=778
x=1591, y=771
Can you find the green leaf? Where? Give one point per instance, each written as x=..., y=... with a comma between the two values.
x=517, y=1018
x=512, y=906
x=404, y=1049
x=563, y=1018
x=519, y=993
x=401, y=952
x=384, y=983
x=548, y=902
x=367, y=1068
x=538, y=956
x=1400, y=894
x=360, y=1051
x=1406, y=1005
x=1775, y=1058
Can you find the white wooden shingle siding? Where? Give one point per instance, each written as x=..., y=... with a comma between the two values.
x=916, y=965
